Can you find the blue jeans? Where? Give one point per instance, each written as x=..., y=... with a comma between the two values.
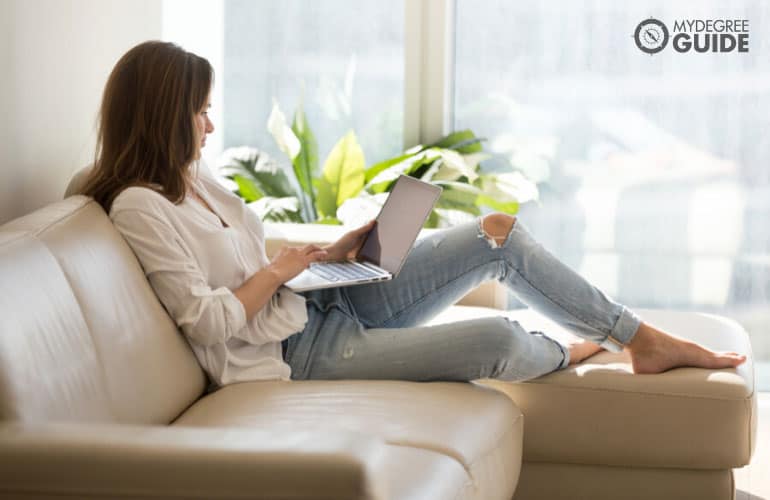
x=373, y=331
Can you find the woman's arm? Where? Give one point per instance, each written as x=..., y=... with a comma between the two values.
x=257, y=291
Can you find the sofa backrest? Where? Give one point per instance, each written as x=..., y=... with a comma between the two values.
x=82, y=335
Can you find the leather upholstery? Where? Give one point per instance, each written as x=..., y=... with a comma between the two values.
x=598, y=412
x=49, y=366
x=84, y=339
x=125, y=461
x=549, y=481
x=98, y=342
x=478, y=428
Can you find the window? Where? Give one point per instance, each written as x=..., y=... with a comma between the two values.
x=653, y=170
x=343, y=59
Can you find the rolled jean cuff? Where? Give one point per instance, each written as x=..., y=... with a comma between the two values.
x=565, y=357
x=623, y=331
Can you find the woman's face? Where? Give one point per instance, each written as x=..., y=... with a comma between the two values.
x=203, y=124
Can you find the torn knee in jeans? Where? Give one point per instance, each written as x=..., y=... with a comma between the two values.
x=494, y=228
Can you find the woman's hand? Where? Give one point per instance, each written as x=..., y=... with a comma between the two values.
x=348, y=246
x=290, y=261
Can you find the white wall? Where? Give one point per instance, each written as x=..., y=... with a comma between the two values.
x=55, y=56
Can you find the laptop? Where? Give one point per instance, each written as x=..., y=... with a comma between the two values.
x=387, y=245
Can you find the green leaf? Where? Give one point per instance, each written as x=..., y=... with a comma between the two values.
x=508, y=186
x=433, y=220
x=258, y=167
x=375, y=169
x=342, y=176
x=306, y=162
x=274, y=182
x=273, y=209
x=247, y=189
x=453, y=166
x=468, y=198
x=415, y=166
x=458, y=196
x=462, y=141
x=424, y=168
x=508, y=207
x=331, y=221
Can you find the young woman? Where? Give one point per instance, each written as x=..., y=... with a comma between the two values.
x=203, y=252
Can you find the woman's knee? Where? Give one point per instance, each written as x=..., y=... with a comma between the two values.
x=496, y=226
x=501, y=337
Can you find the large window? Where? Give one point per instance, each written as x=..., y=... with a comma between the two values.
x=653, y=169
x=343, y=59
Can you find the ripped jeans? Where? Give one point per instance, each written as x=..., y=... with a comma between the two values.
x=373, y=331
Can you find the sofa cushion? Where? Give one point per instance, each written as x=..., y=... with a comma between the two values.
x=409, y=473
x=477, y=428
x=40, y=326
x=599, y=482
x=95, y=334
x=599, y=412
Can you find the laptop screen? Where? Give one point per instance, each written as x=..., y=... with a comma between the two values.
x=399, y=222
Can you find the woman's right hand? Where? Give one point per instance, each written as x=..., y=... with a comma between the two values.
x=290, y=261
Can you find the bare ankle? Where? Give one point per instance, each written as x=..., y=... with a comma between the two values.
x=643, y=338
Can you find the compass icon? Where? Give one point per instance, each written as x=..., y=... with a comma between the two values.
x=651, y=36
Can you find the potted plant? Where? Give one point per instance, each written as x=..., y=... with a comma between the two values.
x=345, y=190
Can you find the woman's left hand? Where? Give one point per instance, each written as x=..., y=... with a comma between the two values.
x=348, y=246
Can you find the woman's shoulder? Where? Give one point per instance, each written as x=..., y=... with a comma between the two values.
x=141, y=199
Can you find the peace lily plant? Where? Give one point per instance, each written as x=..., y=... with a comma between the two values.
x=346, y=191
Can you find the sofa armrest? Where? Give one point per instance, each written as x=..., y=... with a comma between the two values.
x=118, y=461
x=490, y=294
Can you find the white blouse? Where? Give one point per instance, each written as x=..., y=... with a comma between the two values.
x=194, y=262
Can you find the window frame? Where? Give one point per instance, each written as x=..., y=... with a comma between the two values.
x=429, y=58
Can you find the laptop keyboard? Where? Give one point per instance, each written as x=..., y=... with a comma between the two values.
x=343, y=271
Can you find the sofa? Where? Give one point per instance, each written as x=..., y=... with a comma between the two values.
x=101, y=397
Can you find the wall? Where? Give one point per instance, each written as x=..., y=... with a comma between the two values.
x=55, y=57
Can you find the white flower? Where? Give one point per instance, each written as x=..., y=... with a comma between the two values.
x=282, y=133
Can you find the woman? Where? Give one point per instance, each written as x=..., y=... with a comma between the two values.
x=203, y=253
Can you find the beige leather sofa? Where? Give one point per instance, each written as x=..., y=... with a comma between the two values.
x=100, y=397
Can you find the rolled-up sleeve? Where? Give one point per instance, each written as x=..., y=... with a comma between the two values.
x=207, y=316
x=283, y=316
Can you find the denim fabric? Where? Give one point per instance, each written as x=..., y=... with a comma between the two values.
x=373, y=331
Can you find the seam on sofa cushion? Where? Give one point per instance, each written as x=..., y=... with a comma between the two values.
x=664, y=394
x=86, y=321
x=35, y=232
x=489, y=452
x=91, y=336
x=469, y=480
x=417, y=446
x=453, y=455
x=508, y=431
x=66, y=216
x=621, y=466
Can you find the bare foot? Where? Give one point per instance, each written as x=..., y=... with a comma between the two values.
x=654, y=351
x=580, y=350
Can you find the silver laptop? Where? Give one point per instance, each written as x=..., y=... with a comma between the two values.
x=386, y=246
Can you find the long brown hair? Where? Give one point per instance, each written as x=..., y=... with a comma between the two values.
x=147, y=135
